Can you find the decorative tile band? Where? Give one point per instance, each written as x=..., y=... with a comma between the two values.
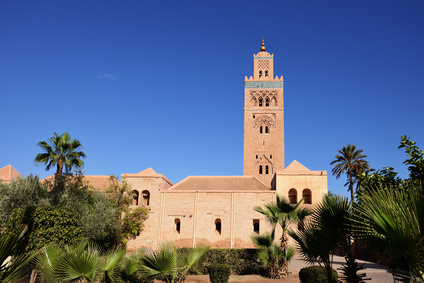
x=267, y=85
x=263, y=57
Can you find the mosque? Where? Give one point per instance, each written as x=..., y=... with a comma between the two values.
x=218, y=210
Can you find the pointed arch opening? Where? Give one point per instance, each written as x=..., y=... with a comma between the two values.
x=267, y=169
x=266, y=130
x=260, y=102
x=267, y=102
x=293, y=196
x=260, y=169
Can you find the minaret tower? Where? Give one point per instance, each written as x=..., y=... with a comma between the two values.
x=263, y=120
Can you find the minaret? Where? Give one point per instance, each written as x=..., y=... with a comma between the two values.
x=263, y=120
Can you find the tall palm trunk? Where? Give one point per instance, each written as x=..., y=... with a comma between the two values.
x=284, y=269
x=59, y=167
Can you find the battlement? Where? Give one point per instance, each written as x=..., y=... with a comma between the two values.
x=270, y=79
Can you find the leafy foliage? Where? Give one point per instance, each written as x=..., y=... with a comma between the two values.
x=219, y=273
x=22, y=192
x=131, y=219
x=61, y=152
x=12, y=260
x=47, y=225
x=415, y=159
x=395, y=226
x=315, y=274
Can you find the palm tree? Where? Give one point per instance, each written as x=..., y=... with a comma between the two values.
x=164, y=263
x=392, y=220
x=11, y=263
x=330, y=227
x=271, y=255
x=61, y=152
x=282, y=213
x=352, y=162
x=84, y=262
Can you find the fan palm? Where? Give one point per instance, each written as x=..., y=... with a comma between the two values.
x=393, y=220
x=81, y=263
x=164, y=262
x=351, y=161
x=12, y=264
x=283, y=214
x=61, y=152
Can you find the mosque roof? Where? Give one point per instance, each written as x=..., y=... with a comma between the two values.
x=219, y=183
x=296, y=168
x=98, y=182
x=8, y=173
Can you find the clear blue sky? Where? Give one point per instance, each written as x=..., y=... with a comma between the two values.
x=160, y=83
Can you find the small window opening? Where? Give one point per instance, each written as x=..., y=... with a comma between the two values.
x=260, y=129
x=218, y=225
x=253, y=116
x=266, y=130
x=260, y=169
x=260, y=102
x=266, y=169
x=267, y=102
x=266, y=73
x=293, y=196
x=256, y=226
x=270, y=157
x=260, y=74
x=146, y=198
x=177, y=225
x=256, y=156
x=307, y=196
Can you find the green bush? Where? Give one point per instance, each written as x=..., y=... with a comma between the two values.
x=219, y=273
x=240, y=261
x=47, y=225
x=314, y=274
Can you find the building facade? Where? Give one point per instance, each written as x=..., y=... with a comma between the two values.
x=219, y=210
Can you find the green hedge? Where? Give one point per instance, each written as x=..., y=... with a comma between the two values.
x=240, y=261
x=47, y=225
x=219, y=273
x=314, y=274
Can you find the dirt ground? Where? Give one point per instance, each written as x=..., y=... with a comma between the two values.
x=292, y=278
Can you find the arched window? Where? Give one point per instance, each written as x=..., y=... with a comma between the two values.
x=177, y=225
x=260, y=129
x=266, y=169
x=256, y=226
x=260, y=102
x=260, y=74
x=146, y=198
x=267, y=102
x=260, y=169
x=266, y=130
x=218, y=225
x=266, y=73
x=135, y=197
x=307, y=196
x=293, y=196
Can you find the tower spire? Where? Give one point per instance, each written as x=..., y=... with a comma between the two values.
x=263, y=45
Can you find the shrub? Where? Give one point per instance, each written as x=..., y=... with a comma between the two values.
x=219, y=273
x=314, y=274
x=240, y=261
